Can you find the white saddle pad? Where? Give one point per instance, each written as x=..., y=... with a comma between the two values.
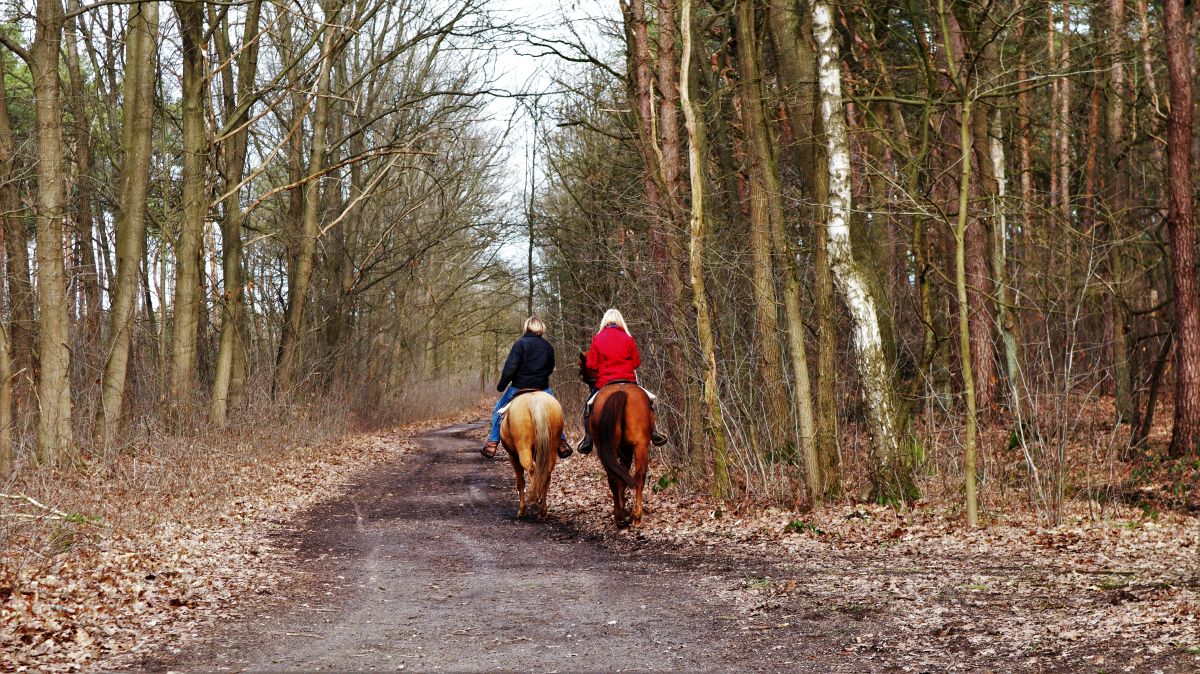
x=647, y=391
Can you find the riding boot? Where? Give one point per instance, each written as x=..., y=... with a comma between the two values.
x=657, y=439
x=564, y=448
x=585, y=445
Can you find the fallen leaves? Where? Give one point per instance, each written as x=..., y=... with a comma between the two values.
x=103, y=594
x=929, y=590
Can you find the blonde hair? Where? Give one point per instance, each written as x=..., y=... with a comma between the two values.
x=614, y=317
x=535, y=326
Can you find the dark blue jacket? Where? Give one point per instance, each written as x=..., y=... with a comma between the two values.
x=529, y=364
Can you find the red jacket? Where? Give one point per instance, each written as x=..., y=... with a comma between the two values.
x=614, y=356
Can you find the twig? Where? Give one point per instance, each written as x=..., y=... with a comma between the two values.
x=37, y=504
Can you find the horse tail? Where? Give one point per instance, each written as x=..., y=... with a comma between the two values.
x=539, y=409
x=606, y=435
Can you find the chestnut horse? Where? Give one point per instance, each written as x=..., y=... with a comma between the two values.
x=531, y=432
x=621, y=424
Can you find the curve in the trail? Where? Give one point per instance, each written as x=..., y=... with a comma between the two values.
x=421, y=565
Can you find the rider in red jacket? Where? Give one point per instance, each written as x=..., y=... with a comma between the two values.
x=614, y=356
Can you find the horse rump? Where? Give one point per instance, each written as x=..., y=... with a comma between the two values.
x=607, y=442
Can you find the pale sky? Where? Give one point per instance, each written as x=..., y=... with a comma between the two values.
x=520, y=70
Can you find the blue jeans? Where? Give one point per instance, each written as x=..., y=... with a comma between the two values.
x=506, y=398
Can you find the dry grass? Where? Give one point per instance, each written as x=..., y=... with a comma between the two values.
x=169, y=533
x=1071, y=463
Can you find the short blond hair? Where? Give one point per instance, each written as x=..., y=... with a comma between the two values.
x=535, y=326
x=614, y=317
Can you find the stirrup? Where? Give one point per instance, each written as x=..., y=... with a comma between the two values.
x=657, y=439
x=489, y=450
x=585, y=445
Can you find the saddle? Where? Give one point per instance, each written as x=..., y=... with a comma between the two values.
x=620, y=381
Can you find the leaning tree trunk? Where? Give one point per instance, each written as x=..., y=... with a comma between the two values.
x=137, y=135
x=301, y=277
x=54, y=441
x=1185, y=435
x=714, y=426
x=797, y=65
x=672, y=178
x=890, y=475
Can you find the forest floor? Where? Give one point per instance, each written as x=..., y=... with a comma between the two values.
x=400, y=550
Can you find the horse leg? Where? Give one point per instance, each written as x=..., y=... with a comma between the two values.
x=620, y=516
x=516, y=464
x=641, y=459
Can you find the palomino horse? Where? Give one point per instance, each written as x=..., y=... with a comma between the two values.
x=531, y=432
x=621, y=424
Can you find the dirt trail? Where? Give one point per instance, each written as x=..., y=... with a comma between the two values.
x=421, y=565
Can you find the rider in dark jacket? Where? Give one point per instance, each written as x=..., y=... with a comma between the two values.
x=528, y=366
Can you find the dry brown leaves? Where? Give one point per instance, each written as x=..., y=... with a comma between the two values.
x=100, y=594
x=940, y=594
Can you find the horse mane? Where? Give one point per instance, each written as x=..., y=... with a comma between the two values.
x=606, y=435
x=539, y=411
x=587, y=374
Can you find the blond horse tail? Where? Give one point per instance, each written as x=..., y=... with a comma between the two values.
x=539, y=409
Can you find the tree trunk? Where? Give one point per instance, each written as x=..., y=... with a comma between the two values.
x=1185, y=434
x=890, y=475
x=979, y=276
x=301, y=277
x=6, y=403
x=16, y=245
x=1064, y=117
x=233, y=166
x=672, y=178
x=1004, y=315
x=662, y=179
x=714, y=423
x=137, y=136
x=1117, y=195
x=798, y=81
x=188, y=297
x=764, y=190
x=89, y=282
x=54, y=442
x=965, y=342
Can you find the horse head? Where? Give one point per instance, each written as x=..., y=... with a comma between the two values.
x=587, y=374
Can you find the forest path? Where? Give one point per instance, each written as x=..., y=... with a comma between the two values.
x=421, y=565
